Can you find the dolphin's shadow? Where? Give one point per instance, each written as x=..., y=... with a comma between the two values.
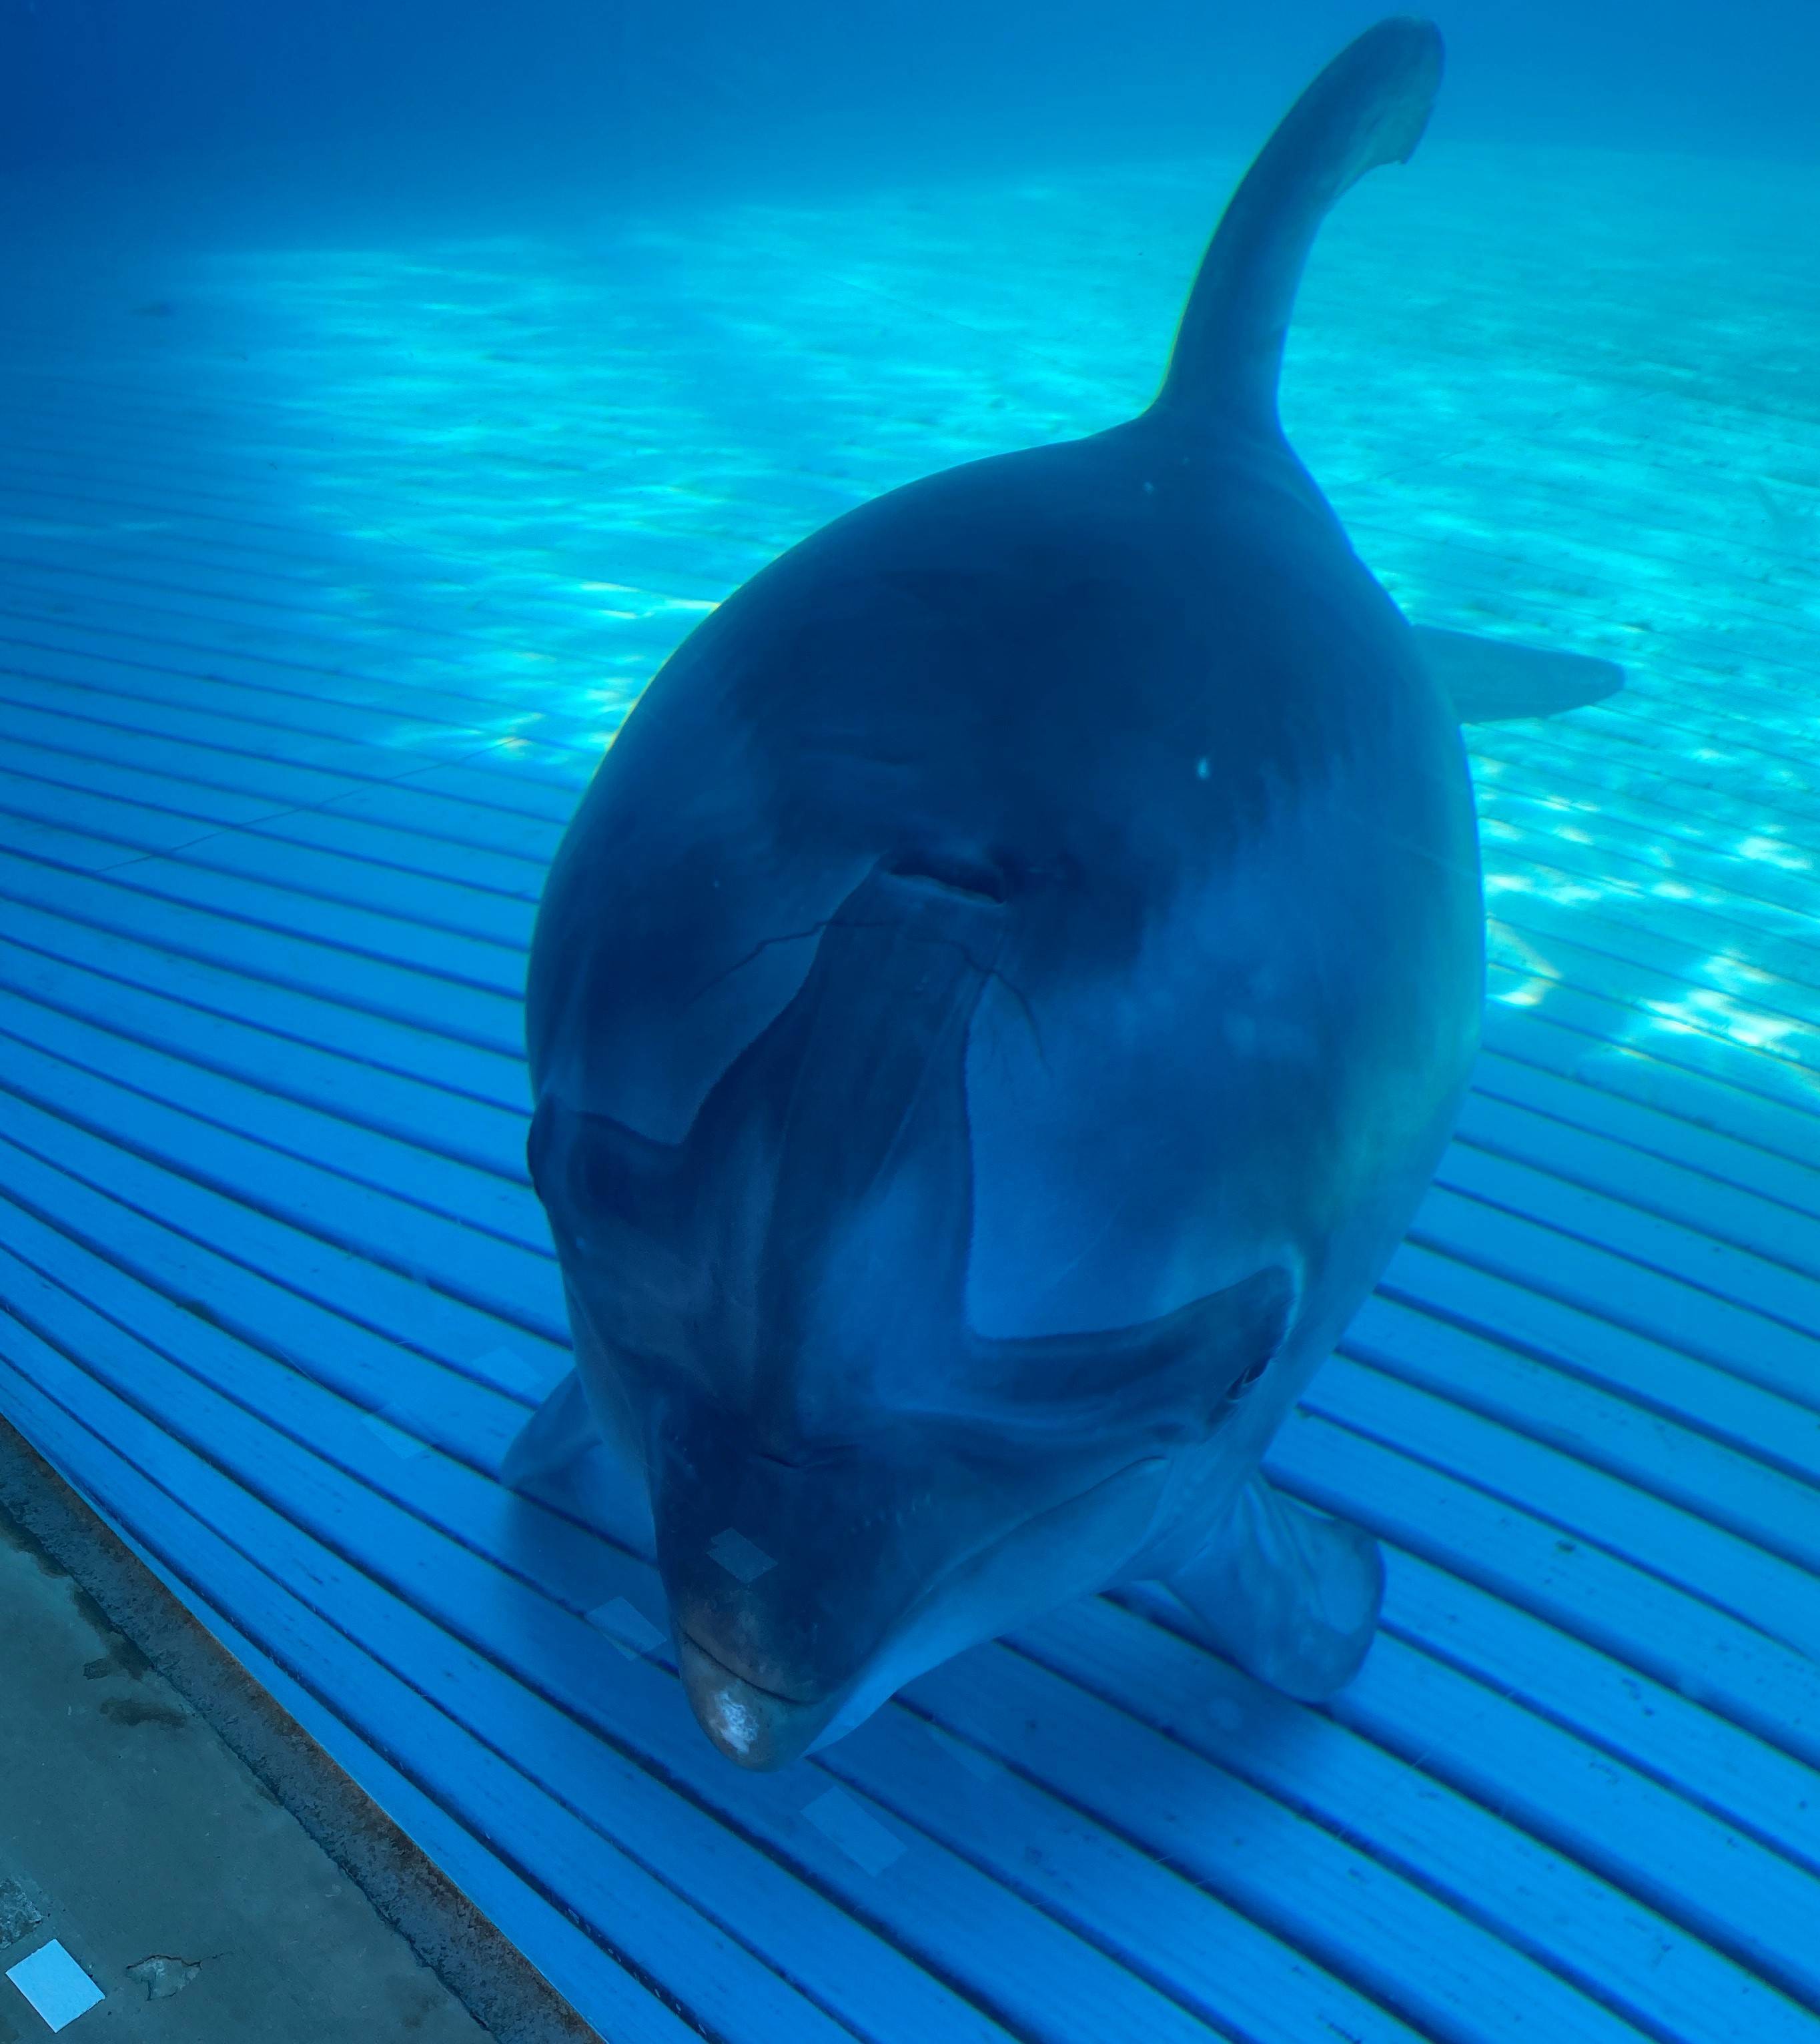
x=582, y=1535
x=1159, y=1675
x=594, y=1492
x=1181, y=1764
x=1206, y=1701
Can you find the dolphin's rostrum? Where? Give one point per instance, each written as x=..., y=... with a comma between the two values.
x=993, y=1016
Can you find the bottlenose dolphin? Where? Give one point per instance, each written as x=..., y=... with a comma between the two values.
x=993, y=1016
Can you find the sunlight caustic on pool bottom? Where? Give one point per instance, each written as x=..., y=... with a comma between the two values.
x=564, y=455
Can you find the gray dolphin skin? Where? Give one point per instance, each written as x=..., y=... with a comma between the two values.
x=994, y=1014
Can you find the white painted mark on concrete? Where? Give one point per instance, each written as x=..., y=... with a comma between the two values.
x=626, y=1626
x=55, y=1985
x=864, y=1840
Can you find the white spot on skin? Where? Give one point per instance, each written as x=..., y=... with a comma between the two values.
x=1202, y=768
x=1150, y=489
x=737, y=1722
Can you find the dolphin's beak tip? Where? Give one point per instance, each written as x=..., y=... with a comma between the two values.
x=747, y=1725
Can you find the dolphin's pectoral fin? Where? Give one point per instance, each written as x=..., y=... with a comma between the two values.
x=562, y=1428
x=1490, y=679
x=1289, y=1594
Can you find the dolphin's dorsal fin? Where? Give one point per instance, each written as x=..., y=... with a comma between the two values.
x=1369, y=106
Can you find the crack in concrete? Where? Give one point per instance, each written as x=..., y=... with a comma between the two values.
x=161, y=1976
x=19, y=1912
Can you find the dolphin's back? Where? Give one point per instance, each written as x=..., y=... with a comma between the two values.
x=779, y=755
x=1087, y=667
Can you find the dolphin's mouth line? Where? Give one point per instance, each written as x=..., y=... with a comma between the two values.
x=990, y=1546
x=986, y=1548
x=931, y=1592
x=746, y=1681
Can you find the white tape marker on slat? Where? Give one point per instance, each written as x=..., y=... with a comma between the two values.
x=506, y=1367
x=627, y=1627
x=981, y=1765
x=738, y=1556
x=406, y=1447
x=864, y=1840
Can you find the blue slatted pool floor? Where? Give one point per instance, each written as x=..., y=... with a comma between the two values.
x=326, y=570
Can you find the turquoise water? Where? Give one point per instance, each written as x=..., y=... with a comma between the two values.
x=1594, y=431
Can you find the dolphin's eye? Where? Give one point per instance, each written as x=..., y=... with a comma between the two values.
x=955, y=871
x=1246, y=1378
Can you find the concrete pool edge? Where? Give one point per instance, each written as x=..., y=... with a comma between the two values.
x=485, y=1972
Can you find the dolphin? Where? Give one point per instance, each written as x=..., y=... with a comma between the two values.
x=994, y=1013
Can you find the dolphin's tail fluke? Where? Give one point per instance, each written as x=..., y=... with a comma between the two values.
x=1368, y=107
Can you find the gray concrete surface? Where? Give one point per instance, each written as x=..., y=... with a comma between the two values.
x=134, y=1835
